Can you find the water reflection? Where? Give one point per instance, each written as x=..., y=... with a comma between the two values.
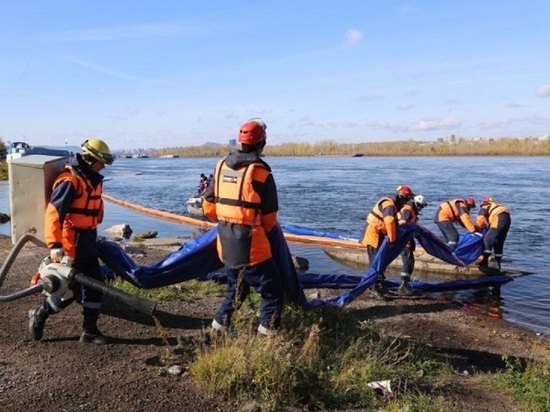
x=485, y=301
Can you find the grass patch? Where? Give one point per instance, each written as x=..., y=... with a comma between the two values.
x=188, y=291
x=529, y=382
x=321, y=359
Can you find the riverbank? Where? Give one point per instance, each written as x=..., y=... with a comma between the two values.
x=126, y=375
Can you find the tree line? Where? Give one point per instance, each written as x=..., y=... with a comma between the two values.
x=453, y=146
x=507, y=146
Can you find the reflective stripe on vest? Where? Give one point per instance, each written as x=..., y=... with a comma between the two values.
x=236, y=200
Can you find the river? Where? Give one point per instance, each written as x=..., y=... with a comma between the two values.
x=335, y=193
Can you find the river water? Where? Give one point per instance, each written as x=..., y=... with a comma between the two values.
x=335, y=193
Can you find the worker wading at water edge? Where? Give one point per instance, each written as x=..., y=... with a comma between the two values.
x=497, y=218
x=455, y=211
x=409, y=214
x=73, y=213
x=243, y=200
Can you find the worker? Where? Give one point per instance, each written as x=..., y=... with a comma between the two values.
x=74, y=211
x=409, y=214
x=201, y=186
x=497, y=218
x=455, y=211
x=382, y=223
x=243, y=200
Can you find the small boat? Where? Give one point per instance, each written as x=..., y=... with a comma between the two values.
x=426, y=266
x=194, y=205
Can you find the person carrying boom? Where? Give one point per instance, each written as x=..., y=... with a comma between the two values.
x=497, y=217
x=455, y=211
x=409, y=214
x=381, y=223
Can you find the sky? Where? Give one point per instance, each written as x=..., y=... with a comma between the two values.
x=182, y=73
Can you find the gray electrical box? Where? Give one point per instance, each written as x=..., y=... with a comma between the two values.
x=31, y=179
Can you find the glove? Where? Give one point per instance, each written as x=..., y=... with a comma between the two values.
x=478, y=234
x=56, y=254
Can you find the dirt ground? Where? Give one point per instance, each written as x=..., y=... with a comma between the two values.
x=61, y=374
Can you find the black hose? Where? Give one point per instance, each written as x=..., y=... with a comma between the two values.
x=22, y=293
x=143, y=305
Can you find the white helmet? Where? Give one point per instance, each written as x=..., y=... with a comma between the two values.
x=420, y=201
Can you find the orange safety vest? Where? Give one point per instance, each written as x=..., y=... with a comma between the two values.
x=488, y=214
x=379, y=225
x=236, y=200
x=413, y=215
x=85, y=212
x=449, y=211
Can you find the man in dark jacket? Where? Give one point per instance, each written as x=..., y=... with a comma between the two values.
x=243, y=200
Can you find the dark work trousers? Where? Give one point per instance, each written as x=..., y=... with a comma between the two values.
x=495, y=237
x=266, y=280
x=450, y=234
x=87, y=263
x=407, y=257
x=371, y=253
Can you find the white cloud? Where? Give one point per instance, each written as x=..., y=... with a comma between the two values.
x=513, y=105
x=135, y=31
x=544, y=91
x=353, y=36
x=114, y=73
x=405, y=106
x=369, y=98
x=437, y=124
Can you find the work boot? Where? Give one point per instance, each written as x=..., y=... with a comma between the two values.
x=497, y=263
x=37, y=319
x=404, y=289
x=90, y=332
x=379, y=290
x=484, y=262
x=96, y=337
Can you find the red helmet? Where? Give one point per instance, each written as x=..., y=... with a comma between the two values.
x=252, y=132
x=404, y=191
x=487, y=200
x=470, y=202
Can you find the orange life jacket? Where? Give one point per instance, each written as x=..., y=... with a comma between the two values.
x=379, y=225
x=85, y=212
x=413, y=216
x=236, y=200
x=488, y=214
x=450, y=211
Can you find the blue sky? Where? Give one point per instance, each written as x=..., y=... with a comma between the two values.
x=180, y=73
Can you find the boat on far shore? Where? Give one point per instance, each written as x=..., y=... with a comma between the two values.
x=17, y=150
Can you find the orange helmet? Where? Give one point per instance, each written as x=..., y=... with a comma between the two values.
x=404, y=191
x=252, y=132
x=487, y=200
x=470, y=202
